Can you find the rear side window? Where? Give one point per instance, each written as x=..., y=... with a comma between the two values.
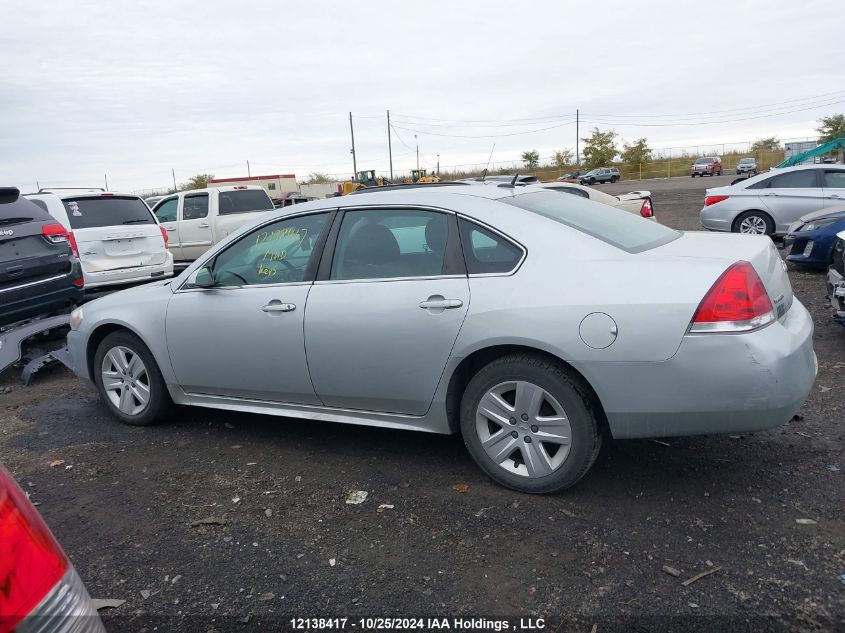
x=195, y=206
x=244, y=201
x=487, y=252
x=790, y=180
x=87, y=213
x=616, y=227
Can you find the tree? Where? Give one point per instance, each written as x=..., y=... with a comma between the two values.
x=599, y=148
x=768, y=144
x=831, y=127
x=531, y=158
x=563, y=157
x=636, y=153
x=200, y=181
x=316, y=178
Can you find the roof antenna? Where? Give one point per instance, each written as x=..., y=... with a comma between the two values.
x=484, y=173
x=513, y=180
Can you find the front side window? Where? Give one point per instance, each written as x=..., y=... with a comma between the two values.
x=377, y=244
x=275, y=253
x=487, y=252
x=834, y=179
x=166, y=210
x=195, y=206
x=86, y=213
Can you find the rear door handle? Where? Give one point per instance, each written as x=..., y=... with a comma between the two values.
x=833, y=195
x=170, y=228
x=204, y=225
x=771, y=194
x=278, y=306
x=437, y=302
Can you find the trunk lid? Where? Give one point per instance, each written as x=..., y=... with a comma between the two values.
x=729, y=248
x=114, y=232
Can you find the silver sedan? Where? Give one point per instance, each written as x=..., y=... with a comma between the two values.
x=533, y=323
x=768, y=203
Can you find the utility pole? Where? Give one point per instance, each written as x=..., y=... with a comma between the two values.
x=248, y=173
x=577, y=140
x=389, y=146
x=418, y=152
x=438, y=164
x=173, y=171
x=352, y=134
x=106, y=178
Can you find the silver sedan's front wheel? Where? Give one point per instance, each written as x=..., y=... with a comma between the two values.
x=129, y=380
x=125, y=380
x=530, y=423
x=523, y=429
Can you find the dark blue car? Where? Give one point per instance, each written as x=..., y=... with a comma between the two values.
x=810, y=239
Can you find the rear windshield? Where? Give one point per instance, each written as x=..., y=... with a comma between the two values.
x=616, y=227
x=16, y=209
x=244, y=201
x=88, y=213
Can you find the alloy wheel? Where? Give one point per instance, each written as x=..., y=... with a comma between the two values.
x=753, y=225
x=125, y=380
x=523, y=429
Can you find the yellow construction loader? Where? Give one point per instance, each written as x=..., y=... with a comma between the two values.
x=362, y=180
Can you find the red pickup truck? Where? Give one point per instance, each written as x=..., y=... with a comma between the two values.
x=706, y=166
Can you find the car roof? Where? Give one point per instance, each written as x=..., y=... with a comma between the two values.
x=83, y=194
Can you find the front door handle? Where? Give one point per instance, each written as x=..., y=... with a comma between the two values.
x=833, y=195
x=770, y=194
x=278, y=306
x=171, y=228
x=204, y=225
x=437, y=302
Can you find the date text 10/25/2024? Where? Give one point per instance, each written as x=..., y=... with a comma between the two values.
x=416, y=624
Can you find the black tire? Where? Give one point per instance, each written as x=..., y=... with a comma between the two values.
x=692, y=175
x=613, y=179
x=770, y=225
x=159, y=404
x=563, y=386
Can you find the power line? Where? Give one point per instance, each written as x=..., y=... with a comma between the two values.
x=551, y=127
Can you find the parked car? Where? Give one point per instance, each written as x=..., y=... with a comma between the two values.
x=199, y=218
x=571, y=176
x=706, y=166
x=114, y=235
x=836, y=279
x=38, y=272
x=521, y=179
x=290, y=198
x=41, y=591
x=600, y=175
x=767, y=204
x=637, y=202
x=152, y=200
x=747, y=165
x=810, y=239
x=444, y=310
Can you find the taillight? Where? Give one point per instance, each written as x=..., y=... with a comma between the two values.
x=737, y=302
x=54, y=233
x=714, y=199
x=164, y=235
x=31, y=561
x=72, y=241
x=646, y=210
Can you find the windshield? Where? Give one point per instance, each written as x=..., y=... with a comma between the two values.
x=704, y=161
x=244, y=201
x=746, y=160
x=86, y=213
x=618, y=228
x=592, y=171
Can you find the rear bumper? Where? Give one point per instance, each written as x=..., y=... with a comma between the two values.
x=79, y=361
x=836, y=293
x=40, y=298
x=712, y=219
x=130, y=275
x=715, y=383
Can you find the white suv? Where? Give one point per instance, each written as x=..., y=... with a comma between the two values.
x=116, y=237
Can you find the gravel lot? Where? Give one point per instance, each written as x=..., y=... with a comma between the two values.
x=125, y=501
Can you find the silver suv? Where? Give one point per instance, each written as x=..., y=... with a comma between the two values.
x=600, y=174
x=747, y=165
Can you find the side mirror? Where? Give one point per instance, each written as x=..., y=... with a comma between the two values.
x=201, y=278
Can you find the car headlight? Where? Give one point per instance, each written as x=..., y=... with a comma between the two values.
x=76, y=319
x=818, y=224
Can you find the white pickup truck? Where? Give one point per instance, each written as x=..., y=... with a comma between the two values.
x=197, y=219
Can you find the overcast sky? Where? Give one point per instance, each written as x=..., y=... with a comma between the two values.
x=132, y=89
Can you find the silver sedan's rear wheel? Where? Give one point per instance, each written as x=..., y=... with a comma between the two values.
x=753, y=223
x=529, y=424
x=129, y=380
